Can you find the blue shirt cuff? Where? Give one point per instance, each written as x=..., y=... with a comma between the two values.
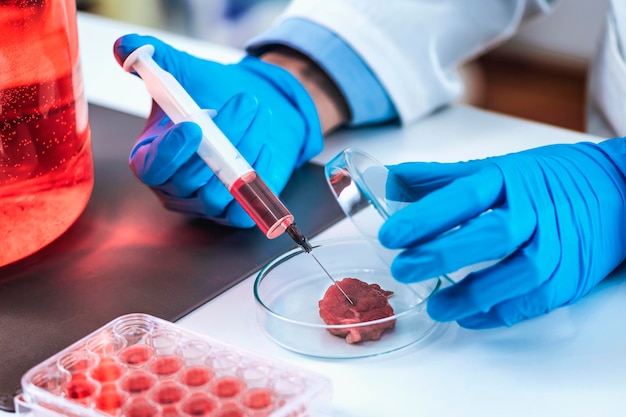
x=367, y=99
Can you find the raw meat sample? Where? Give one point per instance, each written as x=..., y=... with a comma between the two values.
x=370, y=303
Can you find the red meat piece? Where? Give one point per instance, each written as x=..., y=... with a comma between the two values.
x=370, y=303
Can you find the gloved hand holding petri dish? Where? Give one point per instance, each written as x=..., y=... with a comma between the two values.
x=369, y=193
x=553, y=216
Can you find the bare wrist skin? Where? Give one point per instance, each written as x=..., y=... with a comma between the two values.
x=331, y=106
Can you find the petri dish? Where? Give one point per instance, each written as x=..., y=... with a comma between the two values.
x=288, y=289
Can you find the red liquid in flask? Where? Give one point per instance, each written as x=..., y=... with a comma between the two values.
x=46, y=167
x=267, y=211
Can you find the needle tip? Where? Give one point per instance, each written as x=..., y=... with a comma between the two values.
x=294, y=232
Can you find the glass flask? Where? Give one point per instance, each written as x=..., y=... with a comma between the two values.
x=46, y=164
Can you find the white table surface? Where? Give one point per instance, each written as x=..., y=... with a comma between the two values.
x=570, y=362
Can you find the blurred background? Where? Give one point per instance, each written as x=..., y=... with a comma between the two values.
x=540, y=74
x=228, y=22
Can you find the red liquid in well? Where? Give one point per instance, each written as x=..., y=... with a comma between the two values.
x=140, y=408
x=227, y=387
x=258, y=399
x=107, y=371
x=46, y=168
x=166, y=365
x=80, y=389
x=230, y=411
x=110, y=400
x=267, y=211
x=168, y=393
x=199, y=405
x=196, y=376
x=137, y=383
x=136, y=355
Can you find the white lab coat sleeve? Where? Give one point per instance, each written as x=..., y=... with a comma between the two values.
x=606, y=112
x=414, y=47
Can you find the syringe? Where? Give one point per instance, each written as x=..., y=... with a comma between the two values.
x=241, y=180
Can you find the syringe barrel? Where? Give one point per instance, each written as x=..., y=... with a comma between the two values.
x=215, y=149
x=261, y=204
x=218, y=152
x=165, y=90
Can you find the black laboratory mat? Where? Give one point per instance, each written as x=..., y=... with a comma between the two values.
x=127, y=254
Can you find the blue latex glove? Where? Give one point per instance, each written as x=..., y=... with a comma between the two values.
x=275, y=128
x=555, y=216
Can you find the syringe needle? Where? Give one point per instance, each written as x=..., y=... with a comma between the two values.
x=294, y=232
x=332, y=279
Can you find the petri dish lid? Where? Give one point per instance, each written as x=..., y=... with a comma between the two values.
x=367, y=192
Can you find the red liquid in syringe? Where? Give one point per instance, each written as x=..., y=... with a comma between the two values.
x=267, y=211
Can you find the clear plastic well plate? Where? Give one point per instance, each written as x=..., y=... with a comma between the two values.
x=142, y=366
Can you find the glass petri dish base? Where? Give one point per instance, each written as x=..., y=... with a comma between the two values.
x=287, y=291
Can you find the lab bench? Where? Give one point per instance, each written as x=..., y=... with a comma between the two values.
x=569, y=362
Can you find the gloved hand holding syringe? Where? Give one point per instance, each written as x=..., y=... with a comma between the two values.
x=241, y=180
